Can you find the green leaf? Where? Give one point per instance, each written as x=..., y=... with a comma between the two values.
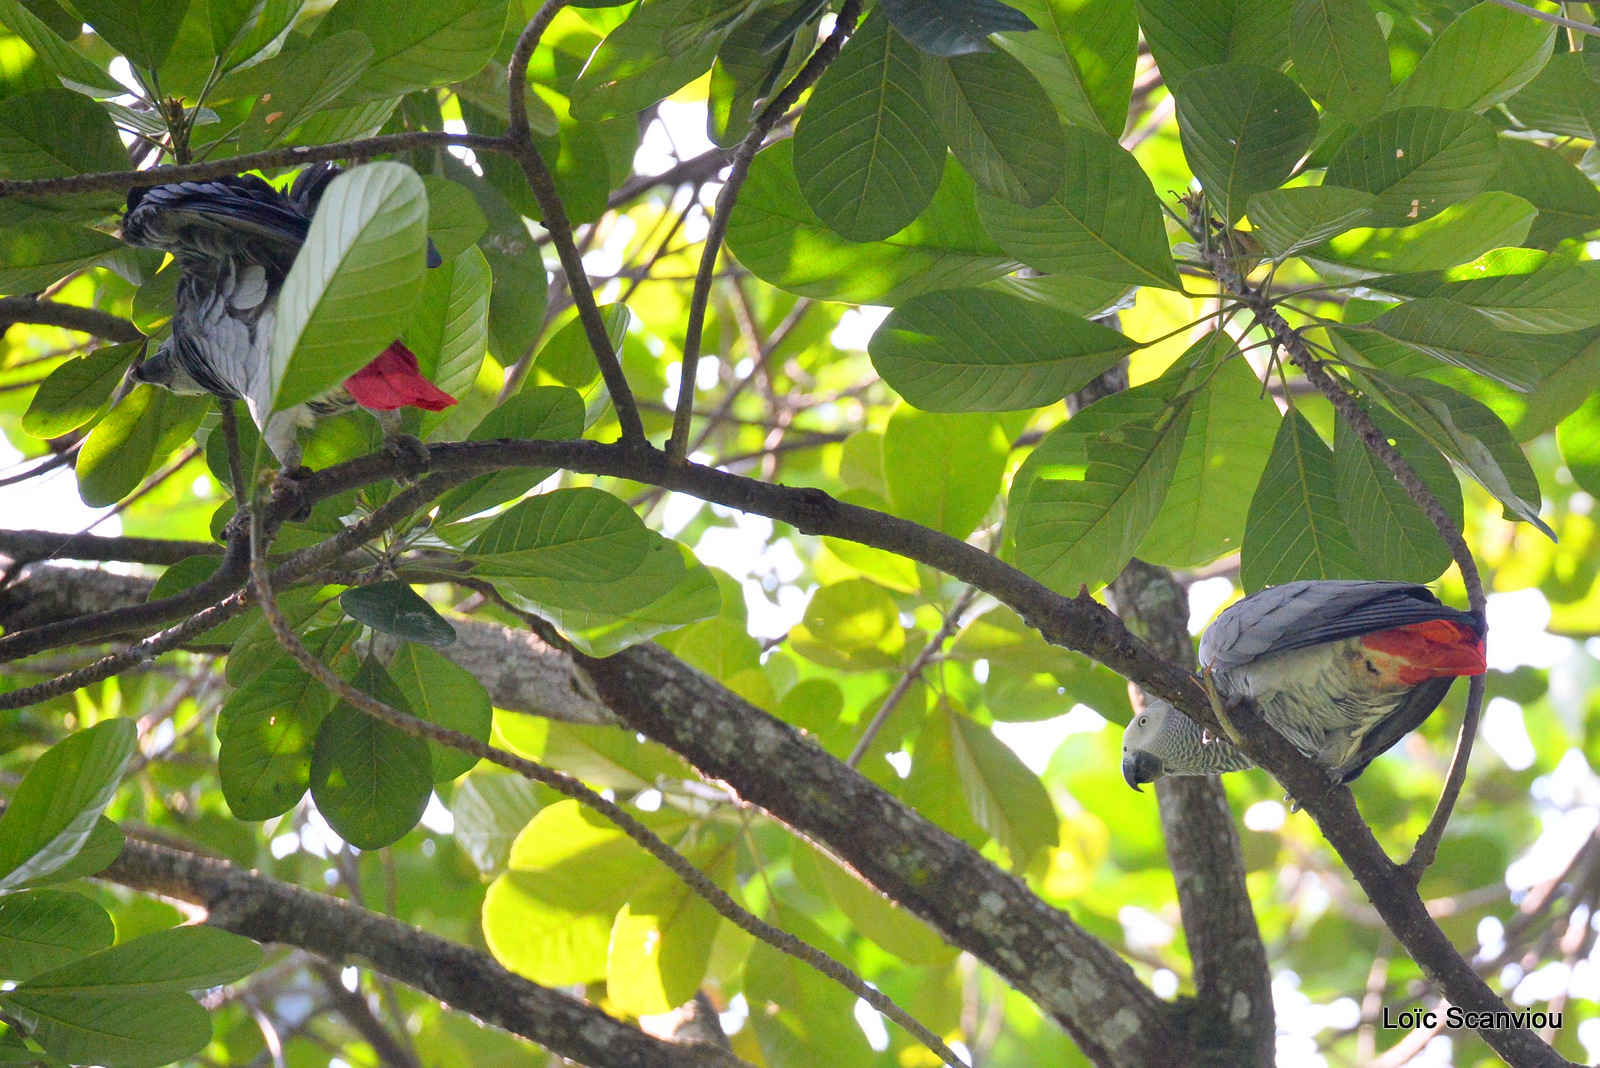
x=64, y=61
x=1479, y=60
x=311, y=81
x=142, y=30
x=1187, y=34
x=139, y=1032
x=549, y=916
x=490, y=807
x=443, y=693
x=1340, y=55
x=172, y=961
x=877, y=917
x=77, y=392
x=1388, y=529
x=796, y=1011
x=1563, y=99
x=866, y=152
x=136, y=432
x=661, y=939
x=1579, y=437
x=746, y=73
x=265, y=734
x=1083, y=53
x=780, y=240
x=455, y=222
x=450, y=333
x=394, y=608
x=1568, y=203
x=632, y=69
x=355, y=283
x=1005, y=798
x=50, y=133
x=1459, y=233
x=259, y=33
x=1104, y=221
x=370, y=780
x=550, y=413
x=953, y=27
x=1458, y=335
x=1243, y=129
x=999, y=123
x=58, y=802
x=571, y=535
x=852, y=625
x=1230, y=434
x=943, y=471
x=1287, y=221
x=418, y=44
x=43, y=929
x=1295, y=528
x=36, y=254
x=103, y=846
x=1094, y=486
x=1416, y=161
x=1076, y=295
x=979, y=350
x=1470, y=434
x=517, y=296
x=570, y=359
x=1518, y=289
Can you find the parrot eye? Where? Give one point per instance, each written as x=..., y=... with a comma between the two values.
x=1143, y=720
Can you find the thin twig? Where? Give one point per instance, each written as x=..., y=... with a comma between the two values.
x=1545, y=16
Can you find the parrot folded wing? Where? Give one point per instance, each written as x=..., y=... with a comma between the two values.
x=393, y=380
x=225, y=217
x=1411, y=714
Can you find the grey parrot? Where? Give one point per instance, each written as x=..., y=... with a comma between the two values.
x=234, y=240
x=1343, y=669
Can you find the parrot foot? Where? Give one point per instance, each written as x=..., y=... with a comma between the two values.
x=1219, y=709
x=288, y=482
x=412, y=455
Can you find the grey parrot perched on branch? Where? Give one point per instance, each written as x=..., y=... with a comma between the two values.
x=234, y=240
x=1342, y=669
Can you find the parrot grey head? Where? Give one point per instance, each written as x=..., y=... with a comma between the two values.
x=1163, y=741
x=164, y=369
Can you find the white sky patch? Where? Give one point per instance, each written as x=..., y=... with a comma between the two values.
x=1143, y=929
x=679, y=133
x=49, y=502
x=1517, y=634
x=856, y=326
x=1164, y=983
x=871, y=1023
x=1507, y=734
x=766, y=569
x=738, y=1012
x=1205, y=597
x=437, y=818
x=1300, y=1019
x=1265, y=816
x=609, y=258
x=1035, y=742
x=462, y=152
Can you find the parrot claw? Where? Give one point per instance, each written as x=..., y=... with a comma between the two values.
x=412, y=455
x=288, y=483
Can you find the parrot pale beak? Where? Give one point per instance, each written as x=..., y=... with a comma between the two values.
x=1140, y=766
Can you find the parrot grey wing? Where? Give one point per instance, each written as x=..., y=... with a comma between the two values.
x=1413, y=711
x=222, y=325
x=1301, y=614
x=225, y=217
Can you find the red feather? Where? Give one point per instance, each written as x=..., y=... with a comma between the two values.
x=1431, y=650
x=393, y=381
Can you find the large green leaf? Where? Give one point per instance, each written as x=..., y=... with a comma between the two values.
x=311, y=81
x=490, y=808
x=1243, y=129
x=417, y=44
x=632, y=69
x=1295, y=528
x=57, y=803
x=1287, y=221
x=1579, y=436
x=877, y=917
x=979, y=350
x=1230, y=434
x=953, y=27
x=76, y=392
x=1388, y=529
x=570, y=535
x=1005, y=798
x=1094, y=486
x=746, y=72
x=517, y=296
x=999, y=123
x=450, y=332
x=172, y=961
x=36, y=254
x=1459, y=335
x=1417, y=161
x=780, y=240
x=64, y=61
x=393, y=607
x=551, y=413
x=1563, y=99
x=1470, y=434
x=1568, y=203
x=1083, y=53
x=569, y=358
x=1479, y=60
x=1458, y=234
x=1340, y=55
x=852, y=625
x=867, y=153
x=143, y=427
x=1519, y=289
x=1105, y=221
x=43, y=929
x=142, y=30
x=943, y=471
x=118, y=1032
x=797, y=1022
x=265, y=733
x=370, y=780
x=355, y=283
x=1187, y=34
x=443, y=693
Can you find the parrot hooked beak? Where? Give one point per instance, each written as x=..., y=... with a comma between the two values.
x=1139, y=766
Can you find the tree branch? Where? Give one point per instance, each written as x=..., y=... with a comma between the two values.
x=465, y=979
x=27, y=546
x=68, y=317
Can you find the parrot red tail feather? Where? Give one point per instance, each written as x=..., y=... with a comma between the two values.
x=1431, y=650
x=393, y=381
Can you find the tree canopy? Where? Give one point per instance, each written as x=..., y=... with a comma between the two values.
x=855, y=404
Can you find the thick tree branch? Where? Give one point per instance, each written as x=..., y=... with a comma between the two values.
x=29, y=545
x=68, y=317
x=465, y=979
